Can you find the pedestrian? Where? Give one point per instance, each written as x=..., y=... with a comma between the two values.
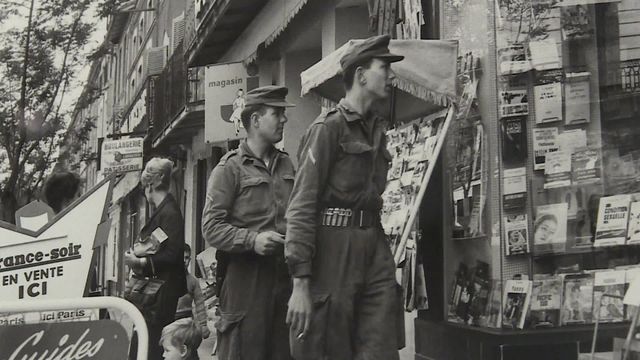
x=244, y=216
x=180, y=340
x=345, y=301
x=167, y=264
x=61, y=189
x=192, y=299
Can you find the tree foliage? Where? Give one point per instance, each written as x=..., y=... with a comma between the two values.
x=43, y=44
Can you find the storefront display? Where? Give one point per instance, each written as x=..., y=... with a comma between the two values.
x=558, y=94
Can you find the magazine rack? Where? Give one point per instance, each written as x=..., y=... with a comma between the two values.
x=554, y=123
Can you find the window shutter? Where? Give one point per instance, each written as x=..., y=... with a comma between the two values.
x=155, y=59
x=178, y=32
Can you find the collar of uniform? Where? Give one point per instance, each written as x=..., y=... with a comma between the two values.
x=349, y=113
x=248, y=155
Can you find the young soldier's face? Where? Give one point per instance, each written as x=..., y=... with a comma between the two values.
x=379, y=78
x=270, y=126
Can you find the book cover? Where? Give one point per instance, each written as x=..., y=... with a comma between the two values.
x=516, y=231
x=514, y=184
x=550, y=228
x=513, y=102
x=557, y=169
x=633, y=230
x=577, y=105
x=631, y=274
x=577, y=299
x=517, y=295
x=570, y=140
x=613, y=215
x=514, y=140
x=546, y=301
x=494, y=305
x=585, y=165
x=605, y=308
x=544, y=54
x=548, y=102
x=545, y=140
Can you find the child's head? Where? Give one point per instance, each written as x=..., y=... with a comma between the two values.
x=180, y=340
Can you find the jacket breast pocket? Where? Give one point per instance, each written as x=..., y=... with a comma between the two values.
x=353, y=167
x=254, y=195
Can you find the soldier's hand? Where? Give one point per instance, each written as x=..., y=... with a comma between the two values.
x=300, y=307
x=268, y=242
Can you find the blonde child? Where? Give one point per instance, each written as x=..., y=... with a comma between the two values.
x=180, y=340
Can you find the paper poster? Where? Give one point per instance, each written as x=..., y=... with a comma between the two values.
x=613, y=215
x=513, y=103
x=548, y=102
x=516, y=231
x=550, y=228
x=544, y=140
x=544, y=54
x=577, y=98
x=557, y=170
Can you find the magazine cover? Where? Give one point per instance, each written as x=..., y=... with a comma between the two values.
x=513, y=103
x=546, y=302
x=516, y=234
x=545, y=140
x=611, y=283
x=550, y=228
x=494, y=305
x=631, y=274
x=513, y=59
x=585, y=165
x=557, y=169
x=613, y=213
x=517, y=295
x=633, y=230
x=577, y=299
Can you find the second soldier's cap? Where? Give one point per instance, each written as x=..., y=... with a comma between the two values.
x=268, y=95
x=373, y=47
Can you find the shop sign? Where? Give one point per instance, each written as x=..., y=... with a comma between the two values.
x=225, y=86
x=136, y=114
x=119, y=156
x=54, y=262
x=97, y=340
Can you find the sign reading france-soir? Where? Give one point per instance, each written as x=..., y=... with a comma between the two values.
x=97, y=340
x=54, y=262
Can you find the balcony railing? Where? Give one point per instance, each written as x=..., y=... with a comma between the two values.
x=174, y=89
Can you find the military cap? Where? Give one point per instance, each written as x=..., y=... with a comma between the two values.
x=373, y=47
x=268, y=95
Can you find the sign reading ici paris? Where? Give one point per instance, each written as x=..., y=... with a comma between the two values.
x=54, y=262
x=97, y=340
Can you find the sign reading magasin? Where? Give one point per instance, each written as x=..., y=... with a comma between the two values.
x=121, y=155
x=98, y=340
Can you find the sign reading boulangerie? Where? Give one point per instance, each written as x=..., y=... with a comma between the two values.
x=97, y=340
x=122, y=155
x=225, y=88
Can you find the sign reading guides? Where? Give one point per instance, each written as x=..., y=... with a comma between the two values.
x=122, y=155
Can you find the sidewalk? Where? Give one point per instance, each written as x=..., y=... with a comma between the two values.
x=408, y=353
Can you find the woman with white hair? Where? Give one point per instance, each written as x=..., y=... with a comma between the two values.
x=167, y=264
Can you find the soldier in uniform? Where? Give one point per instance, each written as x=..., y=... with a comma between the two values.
x=345, y=301
x=243, y=216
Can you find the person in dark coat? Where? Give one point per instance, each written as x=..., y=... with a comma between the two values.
x=166, y=225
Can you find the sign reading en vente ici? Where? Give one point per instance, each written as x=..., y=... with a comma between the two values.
x=54, y=262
